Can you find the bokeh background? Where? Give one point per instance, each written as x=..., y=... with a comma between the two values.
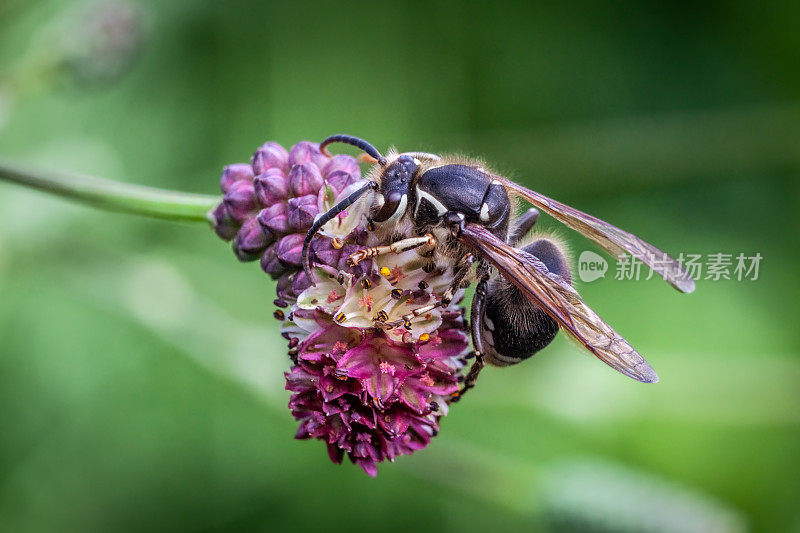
x=141, y=371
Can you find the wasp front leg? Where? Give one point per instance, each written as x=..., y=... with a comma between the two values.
x=398, y=247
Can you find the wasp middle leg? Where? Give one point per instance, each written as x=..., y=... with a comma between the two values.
x=476, y=316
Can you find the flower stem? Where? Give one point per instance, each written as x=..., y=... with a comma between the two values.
x=112, y=195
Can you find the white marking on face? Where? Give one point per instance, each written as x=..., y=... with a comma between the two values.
x=380, y=201
x=488, y=322
x=401, y=209
x=485, y=212
x=496, y=182
x=439, y=206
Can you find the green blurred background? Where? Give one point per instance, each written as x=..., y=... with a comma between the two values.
x=141, y=371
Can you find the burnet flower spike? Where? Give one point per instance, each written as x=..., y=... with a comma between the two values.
x=371, y=393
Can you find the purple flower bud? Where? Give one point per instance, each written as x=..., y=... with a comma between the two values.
x=306, y=152
x=324, y=253
x=302, y=211
x=270, y=155
x=271, y=186
x=233, y=173
x=283, y=287
x=253, y=238
x=305, y=179
x=342, y=163
x=290, y=249
x=300, y=282
x=224, y=224
x=241, y=255
x=275, y=218
x=340, y=179
x=270, y=263
x=240, y=200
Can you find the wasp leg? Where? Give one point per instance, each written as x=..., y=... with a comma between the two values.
x=405, y=320
x=461, y=273
x=523, y=225
x=395, y=248
x=476, y=316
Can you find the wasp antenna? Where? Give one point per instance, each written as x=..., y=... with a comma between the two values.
x=322, y=220
x=353, y=141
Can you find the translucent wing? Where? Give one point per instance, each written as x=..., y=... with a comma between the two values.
x=559, y=300
x=612, y=239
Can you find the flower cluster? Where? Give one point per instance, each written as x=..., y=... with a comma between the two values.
x=362, y=384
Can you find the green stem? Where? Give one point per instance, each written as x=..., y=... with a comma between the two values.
x=112, y=195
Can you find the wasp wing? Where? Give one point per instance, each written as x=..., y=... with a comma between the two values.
x=561, y=301
x=609, y=237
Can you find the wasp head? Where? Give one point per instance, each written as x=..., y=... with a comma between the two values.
x=395, y=183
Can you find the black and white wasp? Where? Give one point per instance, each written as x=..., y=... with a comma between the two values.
x=462, y=214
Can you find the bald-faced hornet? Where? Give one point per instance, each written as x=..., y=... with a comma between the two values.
x=460, y=213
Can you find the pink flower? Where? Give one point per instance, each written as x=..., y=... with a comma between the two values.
x=368, y=393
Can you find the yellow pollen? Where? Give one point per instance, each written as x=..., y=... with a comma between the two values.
x=385, y=271
x=424, y=337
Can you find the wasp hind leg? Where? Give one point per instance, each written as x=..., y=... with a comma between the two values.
x=523, y=225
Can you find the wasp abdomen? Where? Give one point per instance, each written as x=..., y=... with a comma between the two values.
x=514, y=326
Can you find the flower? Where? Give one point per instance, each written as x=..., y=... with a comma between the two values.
x=99, y=40
x=367, y=388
